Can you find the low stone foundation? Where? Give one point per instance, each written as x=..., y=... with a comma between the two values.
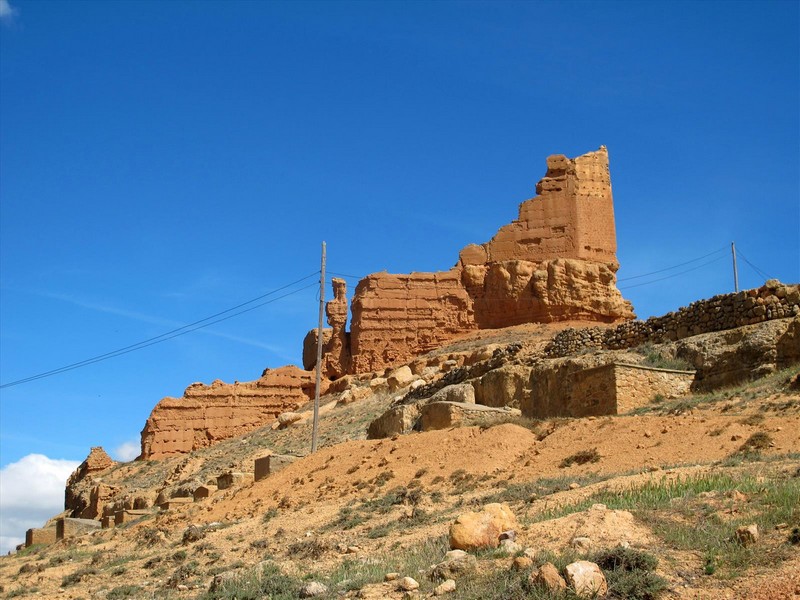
x=609, y=389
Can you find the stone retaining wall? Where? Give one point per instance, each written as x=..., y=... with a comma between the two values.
x=773, y=300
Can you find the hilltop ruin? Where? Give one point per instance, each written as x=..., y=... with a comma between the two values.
x=555, y=262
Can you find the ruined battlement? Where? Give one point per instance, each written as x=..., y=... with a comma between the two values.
x=555, y=262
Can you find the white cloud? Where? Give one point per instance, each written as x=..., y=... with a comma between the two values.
x=7, y=12
x=127, y=451
x=31, y=491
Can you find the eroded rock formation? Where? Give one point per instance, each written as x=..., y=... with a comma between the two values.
x=210, y=413
x=83, y=495
x=336, y=361
x=556, y=262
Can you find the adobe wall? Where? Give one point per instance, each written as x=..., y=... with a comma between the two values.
x=44, y=535
x=556, y=261
x=396, y=317
x=773, y=300
x=207, y=414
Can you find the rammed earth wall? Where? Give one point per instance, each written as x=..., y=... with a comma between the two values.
x=773, y=300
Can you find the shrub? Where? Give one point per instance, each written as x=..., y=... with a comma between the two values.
x=630, y=573
x=794, y=537
x=123, y=591
x=182, y=573
x=269, y=515
x=760, y=440
x=581, y=458
x=77, y=576
x=269, y=582
x=625, y=559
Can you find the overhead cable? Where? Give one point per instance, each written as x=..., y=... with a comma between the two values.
x=200, y=324
x=627, y=287
x=345, y=275
x=673, y=266
x=755, y=268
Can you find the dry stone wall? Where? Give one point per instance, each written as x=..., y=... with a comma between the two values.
x=773, y=300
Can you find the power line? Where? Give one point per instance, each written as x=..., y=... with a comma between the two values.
x=672, y=267
x=200, y=324
x=627, y=287
x=345, y=275
x=755, y=268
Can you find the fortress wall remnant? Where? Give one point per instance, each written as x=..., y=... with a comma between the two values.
x=556, y=261
x=207, y=414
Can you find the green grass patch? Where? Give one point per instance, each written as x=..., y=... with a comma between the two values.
x=680, y=515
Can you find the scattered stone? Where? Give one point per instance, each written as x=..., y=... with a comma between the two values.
x=510, y=546
x=400, y=378
x=455, y=564
x=408, y=584
x=520, y=563
x=446, y=587
x=377, y=382
x=574, y=485
x=582, y=544
x=288, y=418
x=312, y=589
x=472, y=530
x=738, y=496
x=586, y=579
x=747, y=535
x=508, y=535
x=548, y=577
x=193, y=534
x=391, y=576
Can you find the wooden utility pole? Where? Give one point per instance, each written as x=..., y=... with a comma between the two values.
x=319, y=351
x=735, y=270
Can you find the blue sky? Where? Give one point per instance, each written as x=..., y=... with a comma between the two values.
x=163, y=161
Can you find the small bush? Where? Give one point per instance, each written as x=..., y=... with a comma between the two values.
x=635, y=585
x=193, y=533
x=794, y=537
x=625, y=559
x=379, y=532
x=581, y=458
x=760, y=440
x=269, y=582
x=655, y=357
x=312, y=548
x=123, y=591
x=77, y=576
x=630, y=573
x=269, y=515
x=182, y=573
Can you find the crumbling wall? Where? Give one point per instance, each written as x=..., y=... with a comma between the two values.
x=556, y=261
x=209, y=413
